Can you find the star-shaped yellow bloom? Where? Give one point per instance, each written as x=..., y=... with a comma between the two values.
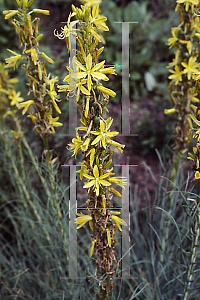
x=54, y=123
x=78, y=144
x=26, y=105
x=76, y=86
x=13, y=60
x=98, y=20
x=177, y=75
x=190, y=68
x=96, y=180
x=90, y=72
x=171, y=42
x=117, y=220
x=66, y=31
x=104, y=134
x=82, y=219
x=15, y=98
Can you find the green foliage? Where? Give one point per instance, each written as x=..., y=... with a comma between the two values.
x=148, y=52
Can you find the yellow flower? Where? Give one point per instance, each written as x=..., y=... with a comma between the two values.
x=47, y=57
x=194, y=99
x=33, y=118
x=33, y=55
x=103, y=134
x=118, y=146
x=78, y=144
x=13, y=80
x=92, y=247
x=73, y=85
x=108, y=237
x=97, y=19
x=92, y=153
x=13, y=60
x=90, y=72
x=15, y=98
x=121, y=181
x=66, y=31
x=110, y=70
x=175, y=60
x=26, y=105
x=117, y=220
x=96, y=180
x=10, y=13
x=82, y=220
x=54, y=123
x=190, y=67
x=115, y=192
x=106, y=91
x=83, y=170
x=188, y=2
x=177, y=75
x=189, y=45
x=41, y=11
x=169, y=111
x=104, y=204
x=197, y=174
x=52, y=93
x=171, y=42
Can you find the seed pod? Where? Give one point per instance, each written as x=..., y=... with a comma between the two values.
x=96, y=120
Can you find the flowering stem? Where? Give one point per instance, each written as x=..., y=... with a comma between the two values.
x=50, y=167
x=92, y=97
x=21, y=159
x=104, y=295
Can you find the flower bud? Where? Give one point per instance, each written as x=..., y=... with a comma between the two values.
x=41, y=11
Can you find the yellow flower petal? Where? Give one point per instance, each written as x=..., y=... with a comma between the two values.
x=96, y=171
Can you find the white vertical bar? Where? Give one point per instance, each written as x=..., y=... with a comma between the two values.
x=125, y=229
x=72, y=225
x=72, y=105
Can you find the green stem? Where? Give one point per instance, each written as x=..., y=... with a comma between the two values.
x=50, y=167
x=104, y=294
x=21, y=159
